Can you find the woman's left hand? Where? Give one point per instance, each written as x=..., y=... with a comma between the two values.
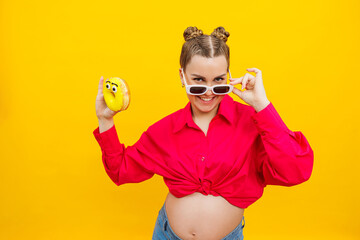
x=254, y=93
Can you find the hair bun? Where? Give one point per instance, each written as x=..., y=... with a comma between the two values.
x=221, y=33
x=192, y=32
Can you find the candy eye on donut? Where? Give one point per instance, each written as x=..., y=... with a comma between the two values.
x=108, y=85
x=114, y=89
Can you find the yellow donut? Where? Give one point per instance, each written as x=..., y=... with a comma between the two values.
x=116, y=94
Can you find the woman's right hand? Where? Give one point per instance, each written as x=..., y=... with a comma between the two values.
x=102, y=110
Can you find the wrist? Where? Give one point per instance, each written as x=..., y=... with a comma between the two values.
x=105, y=124
x=105, y=120
x=261, y=105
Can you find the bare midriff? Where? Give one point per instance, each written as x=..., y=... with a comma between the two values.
x=202, y=217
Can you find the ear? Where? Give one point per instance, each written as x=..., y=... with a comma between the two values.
x=181, y=77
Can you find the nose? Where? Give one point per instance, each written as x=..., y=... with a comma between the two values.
x=209, y=93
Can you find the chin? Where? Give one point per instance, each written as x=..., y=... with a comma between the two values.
x=205, y=106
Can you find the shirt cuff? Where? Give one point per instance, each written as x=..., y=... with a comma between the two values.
x=269, y=122
x=108, y=140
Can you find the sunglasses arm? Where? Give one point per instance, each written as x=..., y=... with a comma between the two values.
x=182, y=72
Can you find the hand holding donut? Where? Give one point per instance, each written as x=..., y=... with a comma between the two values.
x=254, y=93
x=113, y=96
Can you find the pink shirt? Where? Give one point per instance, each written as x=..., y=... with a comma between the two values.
x=243, y=151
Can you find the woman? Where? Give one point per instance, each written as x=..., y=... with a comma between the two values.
x=216, y=155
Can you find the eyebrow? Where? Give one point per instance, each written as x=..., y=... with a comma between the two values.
x=197, y=75
x=112, y=83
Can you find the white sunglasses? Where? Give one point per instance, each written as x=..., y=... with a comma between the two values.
x=220, y=89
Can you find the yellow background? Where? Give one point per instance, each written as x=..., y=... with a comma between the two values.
x=53, y=183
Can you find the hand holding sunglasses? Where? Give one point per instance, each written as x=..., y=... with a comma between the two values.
x=254, y=93
x=220, y=89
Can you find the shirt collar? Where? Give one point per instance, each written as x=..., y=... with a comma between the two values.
x=225, y=109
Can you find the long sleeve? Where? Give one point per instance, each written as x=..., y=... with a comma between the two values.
x=130, y=164
x=283, y=157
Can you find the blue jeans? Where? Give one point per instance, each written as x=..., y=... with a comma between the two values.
x=163, y=230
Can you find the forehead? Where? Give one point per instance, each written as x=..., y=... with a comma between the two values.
x=202, y=65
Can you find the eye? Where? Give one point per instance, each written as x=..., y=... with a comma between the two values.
x=114, y=89
x=108, y=85
x=198, y=79
x=218, y=79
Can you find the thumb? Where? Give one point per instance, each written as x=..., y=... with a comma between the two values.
x=101, y=84
x=237, y=92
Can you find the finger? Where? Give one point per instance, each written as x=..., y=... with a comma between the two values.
x=101, y=84
x=251, y=83
x=243, y=84
x=234, y=81
x=237, y=92
x=257, y=71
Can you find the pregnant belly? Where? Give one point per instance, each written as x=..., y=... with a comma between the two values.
x=200, y=217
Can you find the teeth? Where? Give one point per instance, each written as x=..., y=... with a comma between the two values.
x=206, y=99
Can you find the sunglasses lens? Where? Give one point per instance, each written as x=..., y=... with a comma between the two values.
x=198, y=90
x=221, y=89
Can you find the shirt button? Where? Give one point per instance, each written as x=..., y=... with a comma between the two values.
x=263, y=133
x=202, y=159
x=255, y=122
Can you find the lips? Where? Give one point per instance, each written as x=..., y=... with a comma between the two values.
x=207, y=100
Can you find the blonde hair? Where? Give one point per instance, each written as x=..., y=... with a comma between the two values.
x=197, y=43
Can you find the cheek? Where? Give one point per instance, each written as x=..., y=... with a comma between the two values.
x=191, y=97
